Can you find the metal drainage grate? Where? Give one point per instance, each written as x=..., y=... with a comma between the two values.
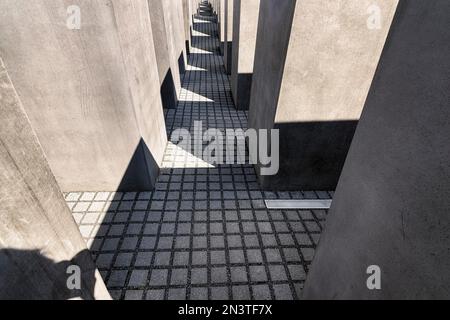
x=298, y=204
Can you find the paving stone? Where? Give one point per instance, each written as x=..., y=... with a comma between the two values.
x=138, y=278
x=159, y=277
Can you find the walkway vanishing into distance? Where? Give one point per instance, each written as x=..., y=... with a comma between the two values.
x=204, y=232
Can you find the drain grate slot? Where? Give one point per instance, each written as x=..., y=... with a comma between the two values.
x=298, y=204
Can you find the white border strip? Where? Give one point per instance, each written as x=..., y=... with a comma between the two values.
x=298, y=204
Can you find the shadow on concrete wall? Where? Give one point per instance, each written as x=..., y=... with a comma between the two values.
x=142, y=170
x=326, y=145
x=168, y=93
x=244, y=87
x=29, y=275
x=181, y=64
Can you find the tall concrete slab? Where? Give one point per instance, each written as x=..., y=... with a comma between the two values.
x=167, y=62
x=175, y=33
x=39, y=239
x=228, y=36
x=221, y=27
x=187, y=24
x=245, y=27
x=90, y=93
x=391, y=208
x=314, y=64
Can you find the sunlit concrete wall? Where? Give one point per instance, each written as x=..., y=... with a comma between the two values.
x=221, y=26
x=315, y=61
x=391, y=207
x=187, y=25
x=245, y=27
x=91, y=94
x=173, y=17
x=39, y=238
x=166, y=56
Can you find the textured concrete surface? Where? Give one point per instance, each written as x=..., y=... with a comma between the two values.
x=176, y=44
x=167, y=61
x=245, y=27
x=313, y=69
x=391, y=206
x=187, y=24
x=228, y=37
x=38, y=236
x=88, y=93
x=221, y=27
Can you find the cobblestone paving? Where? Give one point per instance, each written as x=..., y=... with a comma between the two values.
x=204, y=232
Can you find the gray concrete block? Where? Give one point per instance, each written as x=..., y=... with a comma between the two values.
x=228, y=35
x=245, y=27
x=391, y=207
x=38, y=235
x=169, y=77
x=314, y=64
x=89, y=93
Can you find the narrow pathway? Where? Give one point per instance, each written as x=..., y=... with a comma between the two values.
x=204, y=232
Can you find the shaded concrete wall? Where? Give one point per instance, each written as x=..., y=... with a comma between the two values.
x=245, y=27
x=89, y=93
x=391, y=207
x=228, y=37
x=312, y=73
x=39, y=238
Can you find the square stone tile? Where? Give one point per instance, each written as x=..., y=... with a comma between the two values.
x=104, y=260
x=156, y=294
x=219, y=293
x=258, y=274
x=282, y=292
x=117, y=278
x=199, y=276
x=251, y=240
x=134, y=295
x=110, y=244
x=159, y=277
x=200, y=242
x=129, y=243
x=177, y=294
x=144, y=259
x=162, y=258
x=217, y=242
x=181, y=259
x=277, y=273
x=291, y=255
x=165, y=243
x=179, y=277
x=273, y=255
x=199, y=293
x=199, y=258
x=148, y=243
x=238, y=274
x=216, y=228
x=182, y=242
x=297, y=272
x=254, y=256
x=218, y=257
x=261, y=292
x=138, y=278
x=123, y=260
x=219, y=275
x=241, y=292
